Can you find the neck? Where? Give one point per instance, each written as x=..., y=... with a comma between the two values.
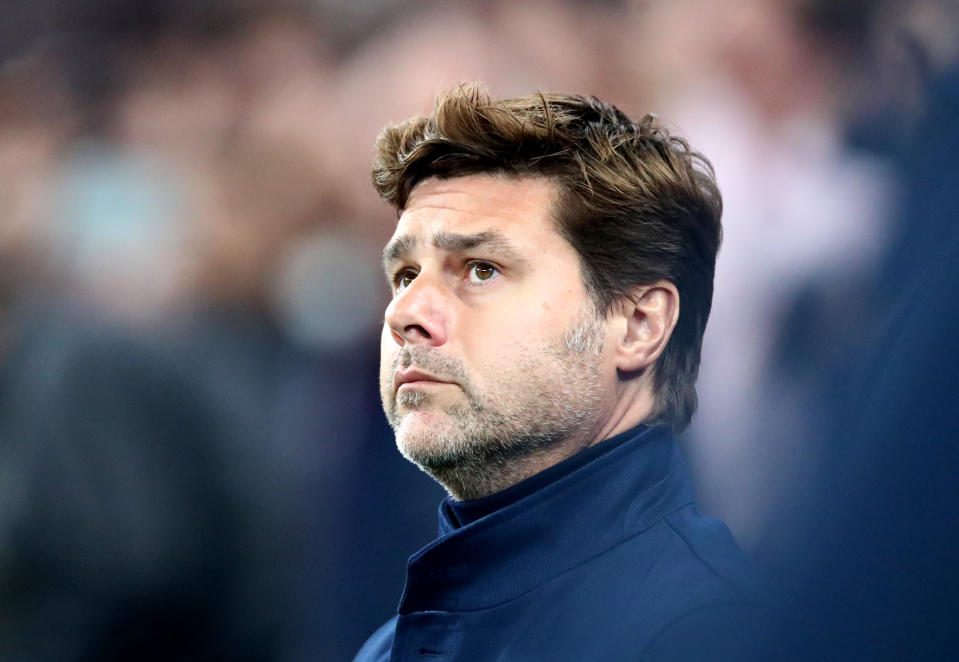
x=486, y=466
x=483, y=474
x=490, y=469
x=634, y=404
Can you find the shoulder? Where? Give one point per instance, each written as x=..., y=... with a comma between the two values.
x=720, y=605
x=733, y=630
x=680, y=587
x=711, y=545
x=377, y=647
x=691, y=560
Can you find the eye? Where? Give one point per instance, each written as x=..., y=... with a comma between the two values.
x=480, y=272
x=403, y=279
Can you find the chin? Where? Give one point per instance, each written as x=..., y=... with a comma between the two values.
x=423, y=437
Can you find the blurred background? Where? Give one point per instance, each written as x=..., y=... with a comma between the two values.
x=193, y=460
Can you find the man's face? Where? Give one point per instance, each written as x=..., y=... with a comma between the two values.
x=494, y=361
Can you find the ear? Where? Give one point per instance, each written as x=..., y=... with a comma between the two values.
x=650, y=315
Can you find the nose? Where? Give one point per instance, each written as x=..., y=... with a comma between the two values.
x=419, y=314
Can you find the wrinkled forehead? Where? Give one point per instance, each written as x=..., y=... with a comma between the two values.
x=403, y=245
x=495, y=206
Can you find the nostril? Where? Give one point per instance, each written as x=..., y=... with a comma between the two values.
x=419, y=330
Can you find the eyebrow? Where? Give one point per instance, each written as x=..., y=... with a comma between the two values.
x=453, y=242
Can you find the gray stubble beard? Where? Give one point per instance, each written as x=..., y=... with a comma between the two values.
x=497, y=438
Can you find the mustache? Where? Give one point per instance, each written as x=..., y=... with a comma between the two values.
x=438, y=365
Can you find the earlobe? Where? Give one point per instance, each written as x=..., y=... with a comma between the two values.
x=650, y=316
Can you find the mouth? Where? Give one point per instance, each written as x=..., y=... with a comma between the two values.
x=414, y=378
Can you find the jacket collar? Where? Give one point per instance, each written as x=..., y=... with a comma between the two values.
x=612, y=497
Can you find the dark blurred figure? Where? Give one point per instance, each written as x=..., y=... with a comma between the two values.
x=190, y=492
x=144, y=518
x=877, y=563
x=190, y=469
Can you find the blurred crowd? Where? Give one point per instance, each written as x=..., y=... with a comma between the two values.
x=193, y=463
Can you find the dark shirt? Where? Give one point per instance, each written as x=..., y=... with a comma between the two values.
x=454, y=514
x=601, y=557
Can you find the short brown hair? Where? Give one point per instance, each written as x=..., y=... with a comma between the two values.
x=636, y=203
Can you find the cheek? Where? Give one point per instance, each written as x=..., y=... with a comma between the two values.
x=494, y=343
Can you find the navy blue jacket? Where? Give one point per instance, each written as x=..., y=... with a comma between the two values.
x=609, y=560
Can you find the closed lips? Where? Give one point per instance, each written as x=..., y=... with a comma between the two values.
x=406, y=376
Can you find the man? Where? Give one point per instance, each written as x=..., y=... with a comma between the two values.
x=552, y=275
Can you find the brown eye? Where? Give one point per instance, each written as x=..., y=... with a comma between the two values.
x=482, y=271
x=403, y=280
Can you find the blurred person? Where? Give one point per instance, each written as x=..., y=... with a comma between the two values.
x=140, y=518
x=760, y=87
x=564, y=44
x=514, y=47
x=551, y=272
x=38, y=118
x=143, y=517
x=875, y=574
x=430, y=46
x=171, y=488
x=116, y=230
x=883, y=578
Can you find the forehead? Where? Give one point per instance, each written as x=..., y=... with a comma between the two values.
x=518, y=208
